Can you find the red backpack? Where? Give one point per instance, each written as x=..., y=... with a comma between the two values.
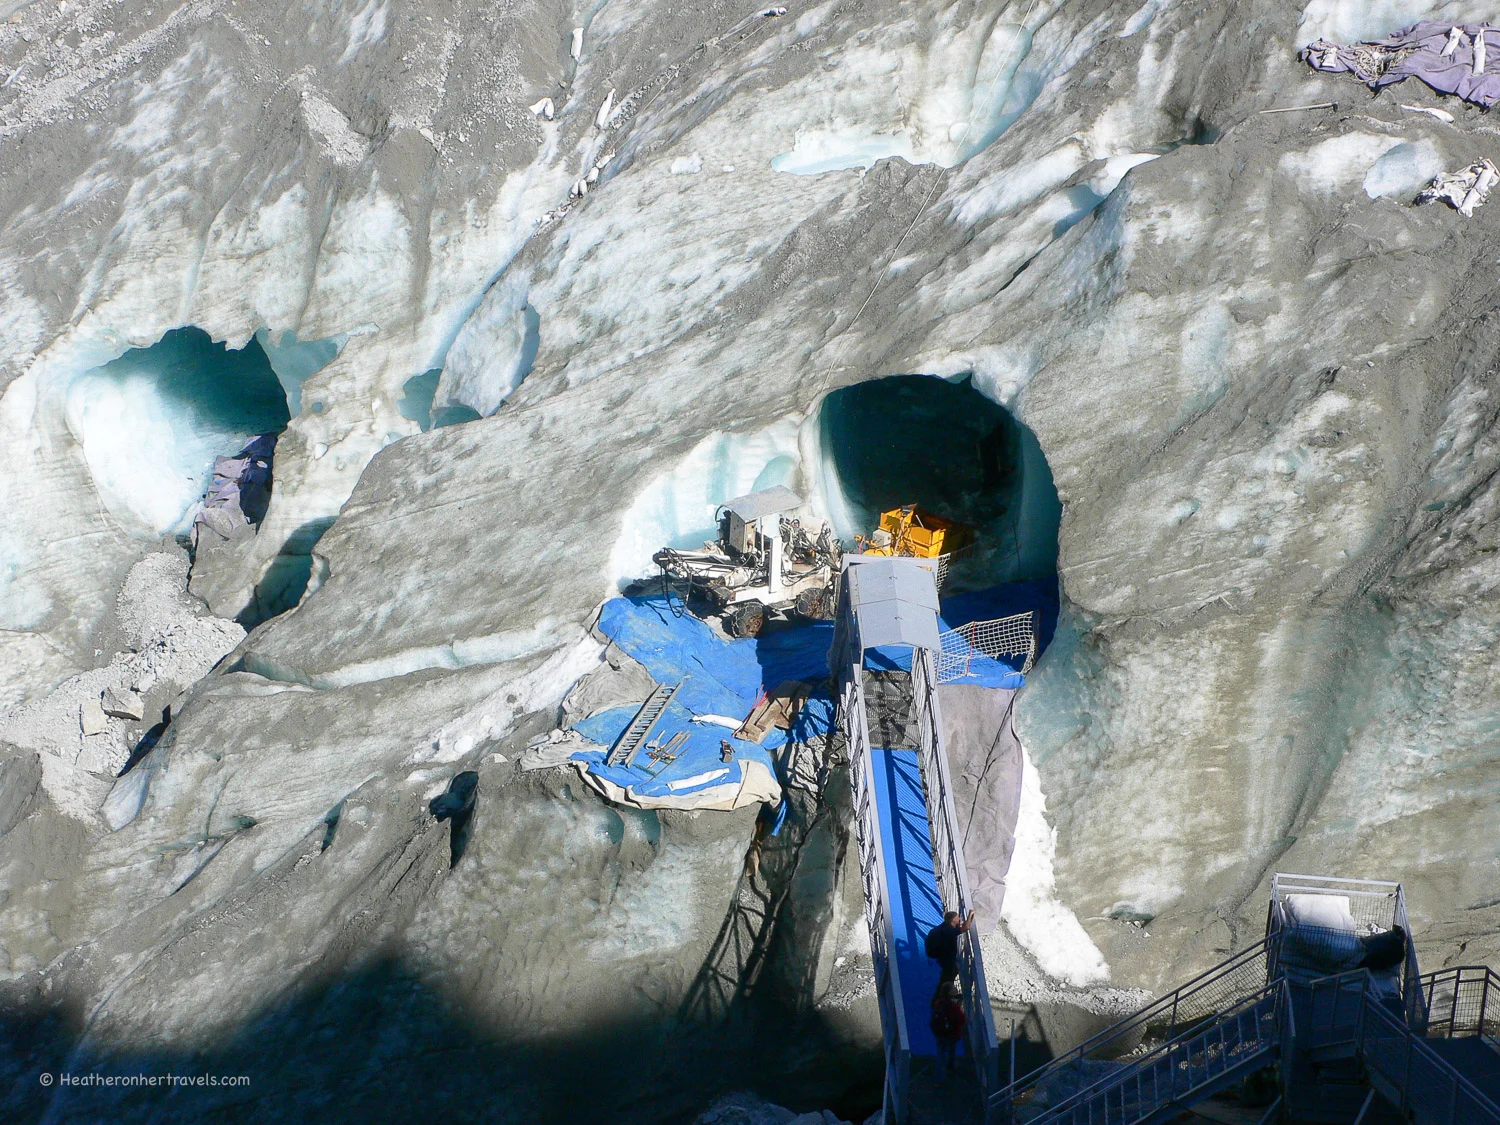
x=948, y=1018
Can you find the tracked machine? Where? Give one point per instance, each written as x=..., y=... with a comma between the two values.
x=765, y=562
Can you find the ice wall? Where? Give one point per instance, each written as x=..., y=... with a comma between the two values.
x=1344, y=21
x=493, y=352
x=297, y=361
x=937, y=107
x=676, y=509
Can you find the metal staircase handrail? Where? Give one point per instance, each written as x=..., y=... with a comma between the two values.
x=1137, y=1067
x=896, y=1040
x=1375, y=1026
x=951, y=871
x=1461, y=979
x=946, y=852
x=1170, y=1005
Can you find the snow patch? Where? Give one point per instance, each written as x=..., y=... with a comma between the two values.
x=1337, y=163
x=1048, y=930
x=1108, y=178
x=689, y=165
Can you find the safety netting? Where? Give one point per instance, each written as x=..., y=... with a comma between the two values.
x=990, y=637
x=1002, y=640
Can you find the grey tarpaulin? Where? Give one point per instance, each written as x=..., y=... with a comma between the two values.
x=984, y=761
x=240, y=491
x=1443, y=55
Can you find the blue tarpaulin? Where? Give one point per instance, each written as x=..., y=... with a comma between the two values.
x=718, y=677
x=723, y=677
x=727, y=678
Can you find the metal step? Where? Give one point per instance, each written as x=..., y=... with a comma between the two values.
x=634, y=736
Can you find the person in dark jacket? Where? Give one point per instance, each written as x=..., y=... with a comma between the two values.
x=942, y=945
x=947, y=1024
x=1384, y=950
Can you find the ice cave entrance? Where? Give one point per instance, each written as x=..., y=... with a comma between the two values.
x=943, y=445
x=152, y=421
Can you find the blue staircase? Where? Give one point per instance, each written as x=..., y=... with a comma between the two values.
x=1351, y=1048
x=911, y=859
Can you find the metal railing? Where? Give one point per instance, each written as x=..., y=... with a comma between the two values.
x=947, y=855
x=1185, y=1069
x=1246, y=1010
x=1179, y=1012
x=952, y=877
x=872, y=873
x=1462, y=1002
x=1374, y=905
x=1345, y=1011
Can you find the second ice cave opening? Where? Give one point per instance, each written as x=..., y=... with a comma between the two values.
x=151, y=421
x=941, y=444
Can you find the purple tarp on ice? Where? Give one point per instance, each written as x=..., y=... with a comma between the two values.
x=241, y=488
x=1440, y=54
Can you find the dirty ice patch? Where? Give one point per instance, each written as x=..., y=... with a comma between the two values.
x=676, y=509
x=1344, y=21
x=1404, y=170
x=1049, y=930
x=367, y=26
x=1336, y=164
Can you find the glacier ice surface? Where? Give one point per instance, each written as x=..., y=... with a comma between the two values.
x=1403, y=170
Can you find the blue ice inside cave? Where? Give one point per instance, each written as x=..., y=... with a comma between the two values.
x=151, y=421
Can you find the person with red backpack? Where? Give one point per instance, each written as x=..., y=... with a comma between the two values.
x=947, y=1024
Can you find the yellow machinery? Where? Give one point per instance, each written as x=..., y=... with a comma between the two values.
x=911, y=532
